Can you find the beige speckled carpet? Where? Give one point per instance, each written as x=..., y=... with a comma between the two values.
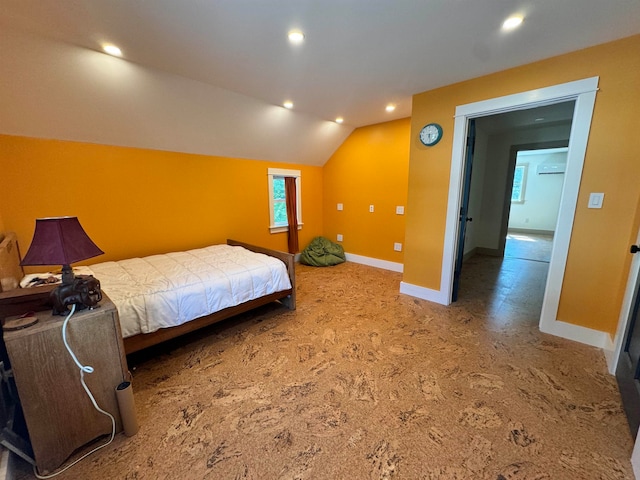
x=361, y=382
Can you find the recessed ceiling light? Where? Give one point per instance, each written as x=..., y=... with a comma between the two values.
x=288, y=104
x=296, y=36
x=112, y=50
x=339, y=120
x=512, y=22
x=390, y=108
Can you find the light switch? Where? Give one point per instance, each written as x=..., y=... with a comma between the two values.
x=399, y=210
x=340, y=207
x=397, y=247
x=596, y=200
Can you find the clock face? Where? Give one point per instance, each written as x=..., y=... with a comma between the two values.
x=431, y=134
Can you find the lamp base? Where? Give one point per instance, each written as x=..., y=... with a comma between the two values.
x=83, y=292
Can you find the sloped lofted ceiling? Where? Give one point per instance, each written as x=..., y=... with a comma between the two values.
x=210, y=77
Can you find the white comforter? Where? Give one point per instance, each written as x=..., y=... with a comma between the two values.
x=166, y=290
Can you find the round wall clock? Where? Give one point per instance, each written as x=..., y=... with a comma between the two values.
x=431, y=134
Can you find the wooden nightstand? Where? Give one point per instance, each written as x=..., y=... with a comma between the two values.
x=59, y=415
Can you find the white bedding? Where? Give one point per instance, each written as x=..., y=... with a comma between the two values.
x=166, y=290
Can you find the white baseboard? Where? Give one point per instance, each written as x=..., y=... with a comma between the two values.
x=585, y=335
x=374, y=262
x=423, y=293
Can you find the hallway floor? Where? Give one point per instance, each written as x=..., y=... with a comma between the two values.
x=508, y=290
x=529, y=246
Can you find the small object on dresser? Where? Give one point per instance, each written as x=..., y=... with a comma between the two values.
x=19, y=322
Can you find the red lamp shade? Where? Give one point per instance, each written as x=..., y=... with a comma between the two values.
x=59, y=241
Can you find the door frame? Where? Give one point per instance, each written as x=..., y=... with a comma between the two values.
x=584, y=93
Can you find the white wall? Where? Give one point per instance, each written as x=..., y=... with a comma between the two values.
x=50, y=89
x=542, y=193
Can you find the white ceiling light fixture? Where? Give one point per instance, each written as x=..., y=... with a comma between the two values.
x=339, y=120
x=296, y=37
x=390, y=108
x=512, y=22
x=112, y=50
x=288, y=104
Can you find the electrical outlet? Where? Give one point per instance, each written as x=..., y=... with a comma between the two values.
x=399, y=210
x=339, y=237
x=340, y=206
x=370, y=208
x=397, y=247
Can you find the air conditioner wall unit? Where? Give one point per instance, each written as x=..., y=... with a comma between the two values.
x=549, y=168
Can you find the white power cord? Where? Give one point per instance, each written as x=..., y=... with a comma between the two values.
x=83, y=369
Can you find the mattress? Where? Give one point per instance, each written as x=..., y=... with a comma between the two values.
x=162, y=291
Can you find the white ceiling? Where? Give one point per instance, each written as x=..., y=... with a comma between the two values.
x=358, y=55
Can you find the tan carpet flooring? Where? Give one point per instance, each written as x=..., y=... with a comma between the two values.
x=361, y=382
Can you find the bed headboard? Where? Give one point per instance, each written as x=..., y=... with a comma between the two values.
x=10, y=270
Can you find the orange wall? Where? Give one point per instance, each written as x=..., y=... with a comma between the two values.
x=598, y=260
x=369, y=168
x=135, y=202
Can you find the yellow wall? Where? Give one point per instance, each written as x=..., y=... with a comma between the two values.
x=135, y=202
x=369, y=168
x=598, y=260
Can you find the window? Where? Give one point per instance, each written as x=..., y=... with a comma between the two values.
x=278, y=221
x=519, y=181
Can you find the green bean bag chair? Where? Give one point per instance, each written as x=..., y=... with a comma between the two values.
x=322, y=252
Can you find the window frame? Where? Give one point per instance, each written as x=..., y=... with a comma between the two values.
x=282, y=173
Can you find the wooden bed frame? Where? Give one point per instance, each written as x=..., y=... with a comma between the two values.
x=16, y=301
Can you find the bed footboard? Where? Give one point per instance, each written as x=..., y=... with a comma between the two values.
x=287, y=258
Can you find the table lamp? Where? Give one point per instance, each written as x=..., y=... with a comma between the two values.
x=63, y=241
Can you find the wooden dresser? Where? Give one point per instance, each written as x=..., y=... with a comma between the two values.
x=59, y=415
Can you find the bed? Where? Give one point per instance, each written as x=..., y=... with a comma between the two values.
x=183, y=299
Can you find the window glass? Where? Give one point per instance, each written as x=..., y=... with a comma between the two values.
x=279, y=202
x=519, y=178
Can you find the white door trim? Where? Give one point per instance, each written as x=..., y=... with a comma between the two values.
x=584, y=93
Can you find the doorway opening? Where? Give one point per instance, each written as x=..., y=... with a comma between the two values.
x=515, y=185
x=583, y=92
x=513, y=203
